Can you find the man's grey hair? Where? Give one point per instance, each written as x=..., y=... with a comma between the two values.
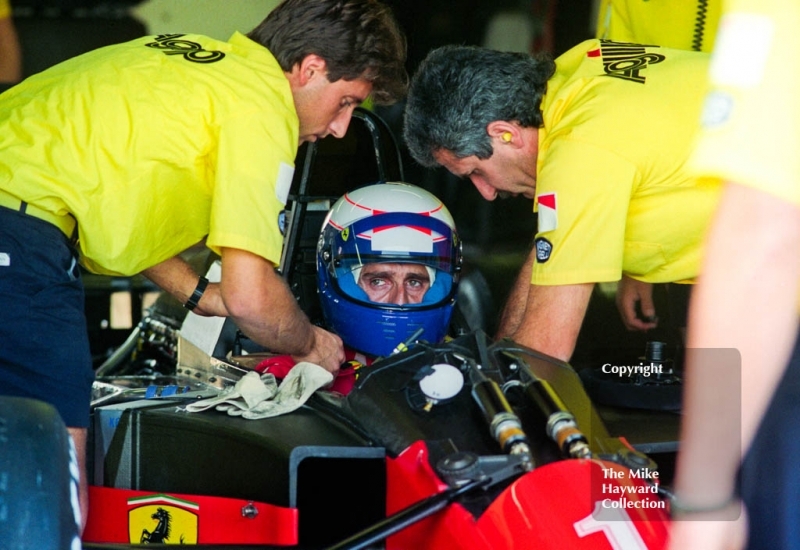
x=458, y=90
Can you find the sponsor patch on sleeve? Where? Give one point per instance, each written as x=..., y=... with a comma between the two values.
x=547, y=212
x=543, y=249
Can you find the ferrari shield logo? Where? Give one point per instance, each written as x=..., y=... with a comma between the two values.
x=161, y=519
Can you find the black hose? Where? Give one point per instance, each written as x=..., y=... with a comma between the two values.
x=120, y=354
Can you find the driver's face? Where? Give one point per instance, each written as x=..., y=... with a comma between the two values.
x=391, y=283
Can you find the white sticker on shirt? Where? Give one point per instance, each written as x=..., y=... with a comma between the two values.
x=717, y=109
x=547, y=212
x=284, y=182
x=5, y=259
x=741, y=50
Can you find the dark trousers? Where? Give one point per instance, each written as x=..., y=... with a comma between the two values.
x=44, y=344
x=770, y=473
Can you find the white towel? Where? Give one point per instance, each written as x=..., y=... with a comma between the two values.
x=256, y=396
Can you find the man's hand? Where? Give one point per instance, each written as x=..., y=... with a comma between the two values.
x=629, y=293
x=327, y=351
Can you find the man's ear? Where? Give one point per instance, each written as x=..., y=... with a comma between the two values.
x=506, y=132
x=310, y=67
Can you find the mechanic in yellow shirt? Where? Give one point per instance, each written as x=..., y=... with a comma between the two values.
x=599, y=139
x=741, y=423
x=683, y=24
x=10, y=52
x=124, y=157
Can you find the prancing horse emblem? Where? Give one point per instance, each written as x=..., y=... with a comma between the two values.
x=161, y=533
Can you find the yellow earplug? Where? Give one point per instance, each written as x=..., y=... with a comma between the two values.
x=507, y=137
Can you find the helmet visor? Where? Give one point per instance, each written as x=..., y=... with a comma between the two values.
x=396, y=238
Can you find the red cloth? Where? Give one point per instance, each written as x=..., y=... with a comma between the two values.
x=343, y=381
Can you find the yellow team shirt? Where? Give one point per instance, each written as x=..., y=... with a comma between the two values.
x=154, y=144
x=5, y=9
x=754, y=100
x=613, y=192
x=683, y=24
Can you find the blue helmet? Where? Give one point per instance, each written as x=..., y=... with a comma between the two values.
x=387, y=223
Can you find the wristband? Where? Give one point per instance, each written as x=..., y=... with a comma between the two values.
x=677, y=507
x=194, y=299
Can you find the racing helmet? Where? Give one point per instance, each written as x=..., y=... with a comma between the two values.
x=387, y=222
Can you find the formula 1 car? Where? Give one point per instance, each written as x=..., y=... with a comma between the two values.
x=463, y=444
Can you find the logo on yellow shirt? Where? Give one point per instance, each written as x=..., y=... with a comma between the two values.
x=191, y=51
x=543, y=249
x=624, y=60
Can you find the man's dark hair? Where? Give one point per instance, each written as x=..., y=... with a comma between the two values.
x=458, y=90
x=356, y=38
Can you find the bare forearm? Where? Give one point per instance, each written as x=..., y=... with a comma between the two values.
x=284, y=328
x=545, y=318
x=553, y=318
x=747, y=305
x=514, y=309
x=175, y=276
x=10, y=53
x=261, y=304
x=178, y=278
x=281, y=326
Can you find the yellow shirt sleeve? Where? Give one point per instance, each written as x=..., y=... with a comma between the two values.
x=753, y=99
x=5, y=9
x=586, y=239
